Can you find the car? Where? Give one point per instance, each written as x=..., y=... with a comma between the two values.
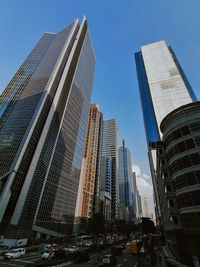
x=71, y=249
x=47, y=247
x=60, y=254
x=15, y=253
x=109, y=260
x=46, y=255
x=88, y=244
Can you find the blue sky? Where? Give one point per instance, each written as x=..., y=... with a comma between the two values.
x=118, y=28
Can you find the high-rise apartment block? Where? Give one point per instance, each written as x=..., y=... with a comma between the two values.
x=90, y=161
x=44, y=113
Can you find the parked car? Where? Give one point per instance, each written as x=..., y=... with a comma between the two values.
x=109, y=260
x=15, y=253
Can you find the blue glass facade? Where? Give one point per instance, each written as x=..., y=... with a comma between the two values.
x=165, y=82
x=151, y=128
x=125, y=184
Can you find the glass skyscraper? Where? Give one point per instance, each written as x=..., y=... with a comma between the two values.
x=170, y=117
x=44, y=112
x=163, y=85
x=126, y=194
x=110, y=150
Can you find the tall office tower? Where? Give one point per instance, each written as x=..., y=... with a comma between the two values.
x=90, y=161
x=163, y=88
x=97, y=199
x=135, y=191
x=127, y=211
x=44, y=113
x=139, y=201
x=105, y=187
x=146, y=207
x=110, y=150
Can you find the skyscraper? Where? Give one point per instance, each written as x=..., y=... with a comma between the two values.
x=135, y=192
x=146, y=207
x=44, y=112
x=170, y=117
x=139, y=205
x=126, y=187
x=163, y=87
x=110, y=150
x=90, y=158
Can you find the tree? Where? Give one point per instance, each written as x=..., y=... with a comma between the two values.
x=97, y=224
x=147, y=226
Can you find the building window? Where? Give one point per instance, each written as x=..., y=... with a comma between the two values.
x=170, y=203
x=173, y=219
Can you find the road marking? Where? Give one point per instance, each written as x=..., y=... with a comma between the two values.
x=119, y=265
x=64, y=264
x=136, y=264
x=24, y=261
x=94, y=255
x=10, y=264
x=91, y=261
x=125, y=259
x=36, y=257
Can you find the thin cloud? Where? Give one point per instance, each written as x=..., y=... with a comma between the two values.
x=145, y=188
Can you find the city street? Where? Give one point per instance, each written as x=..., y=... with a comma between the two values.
x=28, y=258
x=126, y=260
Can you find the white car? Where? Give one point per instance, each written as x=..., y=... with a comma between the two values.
x=72, y=249
x=88, y=244
x=15, y=253
x=47, y=255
